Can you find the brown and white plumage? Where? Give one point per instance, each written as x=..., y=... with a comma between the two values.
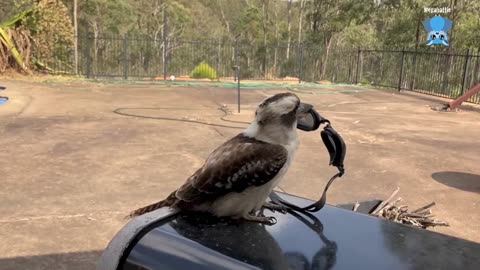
x=239, y=175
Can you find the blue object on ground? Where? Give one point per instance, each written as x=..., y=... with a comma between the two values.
x=3, y=100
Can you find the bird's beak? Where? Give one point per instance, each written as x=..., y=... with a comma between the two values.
x=303, y=109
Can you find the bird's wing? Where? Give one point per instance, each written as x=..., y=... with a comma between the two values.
x=236, y=165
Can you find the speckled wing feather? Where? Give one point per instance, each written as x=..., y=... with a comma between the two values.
x=236, y=165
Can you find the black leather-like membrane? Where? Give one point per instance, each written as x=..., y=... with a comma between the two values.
x=335, y=145
x=310, y=122
x=336, y=149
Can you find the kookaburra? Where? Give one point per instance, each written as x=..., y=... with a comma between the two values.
x=238, y=176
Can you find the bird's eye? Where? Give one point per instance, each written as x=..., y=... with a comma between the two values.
x=442, y=37
x=433, y=36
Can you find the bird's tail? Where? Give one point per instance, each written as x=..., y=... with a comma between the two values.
x=169, y=201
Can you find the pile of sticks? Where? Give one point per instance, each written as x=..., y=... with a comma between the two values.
x=421, y=217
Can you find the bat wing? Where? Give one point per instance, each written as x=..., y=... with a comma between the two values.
x=426, y=24
x=447, y=25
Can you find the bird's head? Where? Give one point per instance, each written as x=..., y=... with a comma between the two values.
x=277, y=116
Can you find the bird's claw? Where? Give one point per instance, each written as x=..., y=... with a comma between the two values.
x=271, y=220
x=267, y=220
x=275, y=207
x=260, y=218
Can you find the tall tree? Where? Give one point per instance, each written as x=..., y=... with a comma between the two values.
x=264, y=26
x=289, y=27
x=75, y=33
x=300, y=24
x=275, y=55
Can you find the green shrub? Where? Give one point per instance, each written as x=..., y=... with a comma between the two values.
x=204, y=70
x=364, y=82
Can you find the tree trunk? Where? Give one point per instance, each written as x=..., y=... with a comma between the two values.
x=227, y=24
x=158, y=28
x=449, y=61
x=315, y=71
x=276, y=41
x=289, y=26
x=95, y=48
x=75, y=40
x=325, y=60
x=164, y=40
x=476, y=70
x=264, y=26
x=417, y=39
x=300, y=17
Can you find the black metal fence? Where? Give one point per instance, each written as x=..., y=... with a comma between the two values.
x=440, y=73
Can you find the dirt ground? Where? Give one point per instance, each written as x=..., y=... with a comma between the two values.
x=73, y=163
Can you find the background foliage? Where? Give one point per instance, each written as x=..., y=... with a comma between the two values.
x=271, y=32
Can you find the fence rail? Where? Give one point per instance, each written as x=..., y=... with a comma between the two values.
x=441, y=73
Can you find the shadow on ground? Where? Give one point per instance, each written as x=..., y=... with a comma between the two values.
x=72, y=261
x=149, y=113
x=464, y=181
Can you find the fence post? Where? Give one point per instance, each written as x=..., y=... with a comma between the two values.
x=237, y=73
x=335, y=69
x=87, y=52
x=217, y=60
x=401, y=70
x=465, y=68
x=414, y=73
x=357, y=68
x=164, y=58
x=300, y=64
x=235, y=60
x=125, y=57
x=238, y=88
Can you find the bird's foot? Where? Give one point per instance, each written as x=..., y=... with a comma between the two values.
x=260, y=219
x=275, y=207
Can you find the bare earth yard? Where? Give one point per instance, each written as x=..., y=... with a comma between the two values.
x=71, y=168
